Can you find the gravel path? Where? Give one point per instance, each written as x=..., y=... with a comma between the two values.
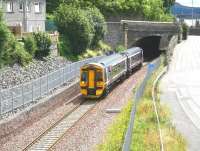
x=89, y=130
x=12, y=76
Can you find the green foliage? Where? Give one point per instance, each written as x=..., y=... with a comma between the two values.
x=145, y=132
x=103, y=47
x=30, y=45
x=148, y=9
x=98, y=22
x=20, y=55
x=74, y=25
x=43, y=43
x=115, y=134
x=11, y=51
x=185, y=31
x=120, y=48
x=167, y=4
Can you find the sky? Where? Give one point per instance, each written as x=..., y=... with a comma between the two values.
x=189, y=2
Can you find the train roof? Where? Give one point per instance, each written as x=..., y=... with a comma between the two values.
x=133, y=50
x=111, y=60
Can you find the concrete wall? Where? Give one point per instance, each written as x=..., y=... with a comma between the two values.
x=172, y=44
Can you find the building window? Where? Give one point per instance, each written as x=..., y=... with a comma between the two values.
x=21, y=7
x=37, y=7
x=9, y=6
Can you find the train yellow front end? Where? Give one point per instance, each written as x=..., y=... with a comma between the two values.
x=92, y=80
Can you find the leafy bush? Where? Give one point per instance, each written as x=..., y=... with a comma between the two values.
x=147, y=9
x=74, y=25
x=103, y=46
x=98, y=21
x=30, y=45
x=120, y=48
x=43, y=43
x=185, y=31
x=11, y=51
x=20, y=55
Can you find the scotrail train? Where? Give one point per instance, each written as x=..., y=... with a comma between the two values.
x=96, y=79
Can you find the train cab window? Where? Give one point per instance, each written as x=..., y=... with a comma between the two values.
x=84, y=76
x=99, y=76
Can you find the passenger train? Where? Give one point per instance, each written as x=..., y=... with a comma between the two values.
x=96, y=79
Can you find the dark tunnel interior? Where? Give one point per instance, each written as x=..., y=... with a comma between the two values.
x=150, y=46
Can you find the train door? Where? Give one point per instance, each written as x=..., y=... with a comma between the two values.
x=91, y=77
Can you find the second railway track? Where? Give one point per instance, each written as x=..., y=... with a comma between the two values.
x=54, y=133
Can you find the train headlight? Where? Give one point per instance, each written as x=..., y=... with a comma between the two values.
x=99, y=92
x=100, y=84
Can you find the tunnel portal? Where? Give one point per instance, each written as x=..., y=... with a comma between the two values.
x=150, y=45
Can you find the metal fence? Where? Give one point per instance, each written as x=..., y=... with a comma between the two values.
x=18, y=97
x=139, y=93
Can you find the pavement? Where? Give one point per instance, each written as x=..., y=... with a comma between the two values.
x=180, y=90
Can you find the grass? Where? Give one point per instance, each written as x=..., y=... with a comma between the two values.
x=145, y=132
x=65, y=51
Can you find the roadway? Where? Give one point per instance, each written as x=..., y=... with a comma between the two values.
x=180, y=90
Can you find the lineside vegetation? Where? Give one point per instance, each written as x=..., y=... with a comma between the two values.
x=145, y=132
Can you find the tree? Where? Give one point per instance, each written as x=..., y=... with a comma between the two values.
x=11, y=51
x=74, y=25
x=168, y=4
x=98, y=21
x=43, y=43
x=124, y=7
x=30, y=45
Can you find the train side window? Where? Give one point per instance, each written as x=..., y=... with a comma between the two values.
x=99, y=76
x=84, y=76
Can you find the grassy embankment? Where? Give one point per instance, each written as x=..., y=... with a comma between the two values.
x=101, y=49
x=145, y=133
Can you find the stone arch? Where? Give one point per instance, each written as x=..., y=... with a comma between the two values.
x=150, y=45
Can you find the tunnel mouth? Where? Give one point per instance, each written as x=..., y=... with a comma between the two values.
x=150, y=46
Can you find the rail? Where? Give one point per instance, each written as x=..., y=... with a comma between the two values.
x=20, y=96
x=139, y=93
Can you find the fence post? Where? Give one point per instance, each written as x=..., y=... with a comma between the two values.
x=47, y=82
x=63, y=75
x=32, y=90
x=0, y=104
x=40, y=88
x=23, y=94
x=12, y=101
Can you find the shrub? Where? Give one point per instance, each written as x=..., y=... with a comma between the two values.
x=74, y=25
x=120, y=48
x=11, y=51
x=20, y=55
x=43, y=43
x=30, y=45
x=98, y=21
x=103, y=46
x=185, y=31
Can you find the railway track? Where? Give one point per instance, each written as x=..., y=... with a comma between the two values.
x=54, y=133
